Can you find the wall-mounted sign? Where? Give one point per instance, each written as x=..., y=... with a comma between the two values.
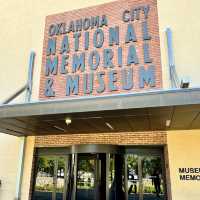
x=106, y=49
x=189, y=174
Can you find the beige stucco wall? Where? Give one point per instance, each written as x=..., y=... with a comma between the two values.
x=27, y=167
x=23, y=30
x=9, y=165
x=182, y=16
x=9, y=147
x=22, y=26
x=183, y=150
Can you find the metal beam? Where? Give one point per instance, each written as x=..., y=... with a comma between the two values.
x=28, y=88
x=20, y=168
x=150, y=99
x=175, y=82
x=16, y=94
x=30, y=77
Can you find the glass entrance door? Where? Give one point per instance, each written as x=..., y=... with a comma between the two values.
x=91, y=177
x=145, y=179
x=105, y=174
x=74, y=173
x=86, y=170
x=51, y=178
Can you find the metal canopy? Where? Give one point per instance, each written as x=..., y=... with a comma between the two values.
x=117, y=113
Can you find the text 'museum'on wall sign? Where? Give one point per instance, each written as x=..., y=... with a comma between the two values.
x=106, y=49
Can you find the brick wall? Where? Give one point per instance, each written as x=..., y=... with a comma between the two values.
x=125, y=138
x=113, y=11
x=138, y=138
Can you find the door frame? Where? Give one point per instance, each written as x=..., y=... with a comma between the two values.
x=146, y=151
x=54, y=153
x=98, y=148
x=99, y=164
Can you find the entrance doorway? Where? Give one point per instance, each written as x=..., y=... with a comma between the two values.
x=50, y=178
x=91, y=176
x=145, y=179
x=99, y=172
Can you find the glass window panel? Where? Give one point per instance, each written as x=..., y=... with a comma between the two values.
x=133, y=177
x=111, y=178
x=44, y=178
x=60, y=184
x=86, y=178
x=152, y=178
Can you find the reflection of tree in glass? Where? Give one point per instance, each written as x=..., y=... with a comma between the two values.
x=46, y=164
x=61, y=166
x=61, y=162
x=41, y=163
x=150, y=164
x=112, y=167
x=86, y=165
x=132, y=161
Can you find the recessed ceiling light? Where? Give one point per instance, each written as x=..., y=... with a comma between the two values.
x=109, y=125
x=68, y=121
x=59, y=128
x=168, y=122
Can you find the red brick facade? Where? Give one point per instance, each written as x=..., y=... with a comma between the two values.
x=114, y=12
x=126, y=138
x=138, y=138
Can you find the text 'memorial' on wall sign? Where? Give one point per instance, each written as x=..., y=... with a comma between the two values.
x=107, y=49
